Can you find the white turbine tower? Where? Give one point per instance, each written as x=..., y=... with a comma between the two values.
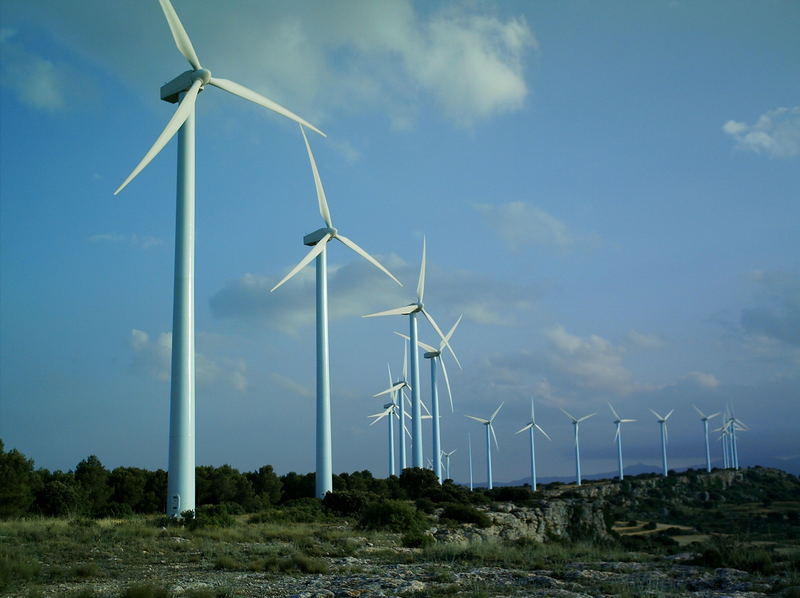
x=411, y=311
x=704, y=418
x=469, y=445
x=662, y=422
x=399, y=387
x=447, y=456
x=735, y=424
x=318, y=240
x=489, y=428
x=391, y=410
x=618, y=436
x=435, y=355
x=183, y=90
x=531, y=426
x=576, y=422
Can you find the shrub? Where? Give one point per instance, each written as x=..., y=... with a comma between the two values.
x=144, y=591
x=15, y=569
x=86, y=570
x=392, y=516
x=517, y=494
x=345, y=502
x=465, y=514
x=211, y=516
x=416, y=539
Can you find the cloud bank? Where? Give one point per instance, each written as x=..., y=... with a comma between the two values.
x=775, y=133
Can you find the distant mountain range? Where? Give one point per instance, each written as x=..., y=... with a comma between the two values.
x=789, y=465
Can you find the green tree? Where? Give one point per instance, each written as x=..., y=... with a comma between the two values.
x=92, y=478
x=266, y=485
x=18, y=483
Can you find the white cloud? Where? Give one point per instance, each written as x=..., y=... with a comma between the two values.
x=292, y=386
x=519, y=223
x=647, y=341
x=396, y=57
x=776, y=132
x=145, y=242
x=154, y=357
x=703, y=379
x=35, y=81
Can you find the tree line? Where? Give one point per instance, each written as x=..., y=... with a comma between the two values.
x=92, y=490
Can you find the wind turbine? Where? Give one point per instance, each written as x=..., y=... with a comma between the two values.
x=469, y=444
x=435, y=355
x=447, y=456
x=318, y=240
x=662, y=422
x=411, y=311
x=576, y=422
x=704, y=418
x=618, y=436
x=735, y=424
x=183, y=90
x=390, y=409
x=532, y=425
x=395, y=387
x=489, y=428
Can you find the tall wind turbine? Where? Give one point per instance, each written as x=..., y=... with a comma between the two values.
x=390, y=409
x=447, y=456
x=704, y=418
x=618, y=436
x=531, y=426
x=576, y=422
x=435, y=355
x=489, y=429
x=183, y=90
x=318, y=240
x=411, y=311
x=399, y=387
x=662, y=422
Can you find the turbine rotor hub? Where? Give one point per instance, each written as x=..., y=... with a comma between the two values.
x=203, y=75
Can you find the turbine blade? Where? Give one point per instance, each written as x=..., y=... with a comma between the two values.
x=666, y=417
x=700, y=413
x=176, y=122
x=574, y=420
x=323, y=203
x=397, y=311
x=627, y=421
x=538, y=427
x=248, y=94
x=616, y=434
x=528, y=427
x=420, y=344
x=379, y=416
x=586, y=417
x=713, y=415
x=367, y=257
x=179, y=34
x=450, y=332
x=656, y=414
x=478, y=419
x=426, y=417
x=405, y=361
x=388, y=367
x=614, y=411
x=438, y=330
x=315, y=251
x=491, y=429
x=447, y=384
x=425, y=407
x=393, y=388
x=405, y=427
x=496, y=411
x=421, y=281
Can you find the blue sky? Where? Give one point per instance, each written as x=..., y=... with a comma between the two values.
x=608, y=190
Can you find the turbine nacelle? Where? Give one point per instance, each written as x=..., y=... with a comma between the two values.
x=312, y=239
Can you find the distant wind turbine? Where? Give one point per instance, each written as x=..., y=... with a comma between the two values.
x=399, y=387
x=531, y=426
x=704, y=418
x=489, y=429
x=662, y=422
x=576, y=422
x=390, y=410
x=447, y=456
x=469, y=444
x=735, y=424
x=183, y=90
x=318, y=240
x=618, y=436
x=411, y=311
x=435, y=355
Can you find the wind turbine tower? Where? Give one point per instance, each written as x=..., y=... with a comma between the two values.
x=469, y=444
x=576, y=422
x=618, y=436
x=411, y=311
x=447, y=456
x=662, y=422
x=489, y=429
x=318, y=241
x=531, y=426
x=704, y=418
x=183, y=90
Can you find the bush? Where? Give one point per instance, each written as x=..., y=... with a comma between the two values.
x=465, y=514
x=393, y=516
x=210, y=516
x=345, y=502
x=416, y=539
x=14, y=569
x=144, y=591
x=517, y=494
